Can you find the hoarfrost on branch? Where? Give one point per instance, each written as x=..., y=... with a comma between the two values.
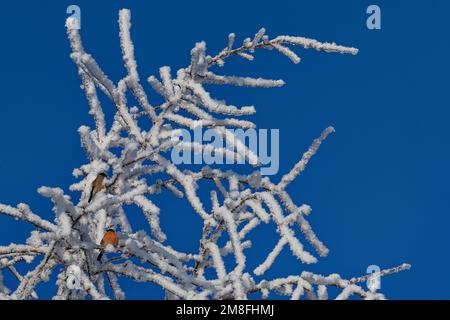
x=239, y=203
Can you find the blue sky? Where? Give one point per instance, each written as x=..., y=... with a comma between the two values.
x=378, y=186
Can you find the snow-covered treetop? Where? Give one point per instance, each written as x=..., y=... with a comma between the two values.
x=239, y=203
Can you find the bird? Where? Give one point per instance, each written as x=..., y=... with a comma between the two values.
x=97, y=185
x=109, y=238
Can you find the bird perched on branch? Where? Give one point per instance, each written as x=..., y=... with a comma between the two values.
x=109, y=238
x=97, y=185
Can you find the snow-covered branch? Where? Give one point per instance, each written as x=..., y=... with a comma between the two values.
x=91, y=241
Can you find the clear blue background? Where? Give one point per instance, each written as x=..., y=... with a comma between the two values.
x=378, y=187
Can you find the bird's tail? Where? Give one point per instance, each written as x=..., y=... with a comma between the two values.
x=100, y=255
x=91, y=195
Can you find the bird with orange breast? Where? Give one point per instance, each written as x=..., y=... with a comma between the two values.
x=109, y=238
x=97, y=185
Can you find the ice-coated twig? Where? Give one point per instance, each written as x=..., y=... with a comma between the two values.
x=130, y=63
x=402, y=267
x=300, y=166
x=23, y=212
x=278, y=42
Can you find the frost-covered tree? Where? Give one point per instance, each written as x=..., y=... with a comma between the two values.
x=132, y=157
